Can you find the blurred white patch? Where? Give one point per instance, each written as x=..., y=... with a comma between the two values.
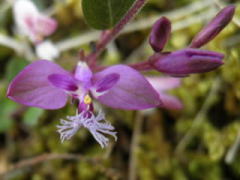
x=47, y=50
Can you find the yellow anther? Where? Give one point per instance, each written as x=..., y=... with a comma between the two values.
x=87, y=99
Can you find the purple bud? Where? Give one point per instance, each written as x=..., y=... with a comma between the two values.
x=214, y=27
x=160, y=34
x=184, y=62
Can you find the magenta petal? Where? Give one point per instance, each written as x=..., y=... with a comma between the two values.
x=132, y=91
x=62, y=81
x=164, y=83
x=170, y=102
x=84, y=74
x=32, y=88
x=107, y=82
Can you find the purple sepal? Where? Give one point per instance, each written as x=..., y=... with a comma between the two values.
x=107, y=82
x=62, y=81
x=131, y=92
x=214, y=27
x=160, y=34
x=32, y=88
x=187, y=61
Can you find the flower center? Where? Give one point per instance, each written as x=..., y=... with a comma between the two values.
x=87, y=99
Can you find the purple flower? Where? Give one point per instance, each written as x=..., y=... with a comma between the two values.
x=31, y=22
x=46, y=85
x=160, y=34
x=214, y=27
x=187, y=61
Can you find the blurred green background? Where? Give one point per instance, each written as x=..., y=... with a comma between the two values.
x=201, y=141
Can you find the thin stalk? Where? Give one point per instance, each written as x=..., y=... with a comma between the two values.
x=134, y=147
x=233, y=150
x=142, y=66
x=199, y=119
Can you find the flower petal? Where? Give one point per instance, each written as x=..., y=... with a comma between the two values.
x=62, y=81
x=107, y=82
x=32, y=88
x=45, y=25
x=170, y=102
x=23, y=10
x=84, y=74
x=132, y=91
x=161, y=84
x=164, y=83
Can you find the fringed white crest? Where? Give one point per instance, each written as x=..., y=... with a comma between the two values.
x=95, y=124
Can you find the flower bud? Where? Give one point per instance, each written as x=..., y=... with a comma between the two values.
x=214, y=27
x=160, y=34
x=187, y=61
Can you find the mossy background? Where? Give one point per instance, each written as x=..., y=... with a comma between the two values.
x=210, y=117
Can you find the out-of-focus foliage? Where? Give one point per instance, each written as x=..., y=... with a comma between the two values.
x=28, y=132
x=104, y=14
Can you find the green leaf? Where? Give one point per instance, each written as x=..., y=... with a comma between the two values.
x=14, y=67
x=6, y=110
x=104, y=14
x=32, y=115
